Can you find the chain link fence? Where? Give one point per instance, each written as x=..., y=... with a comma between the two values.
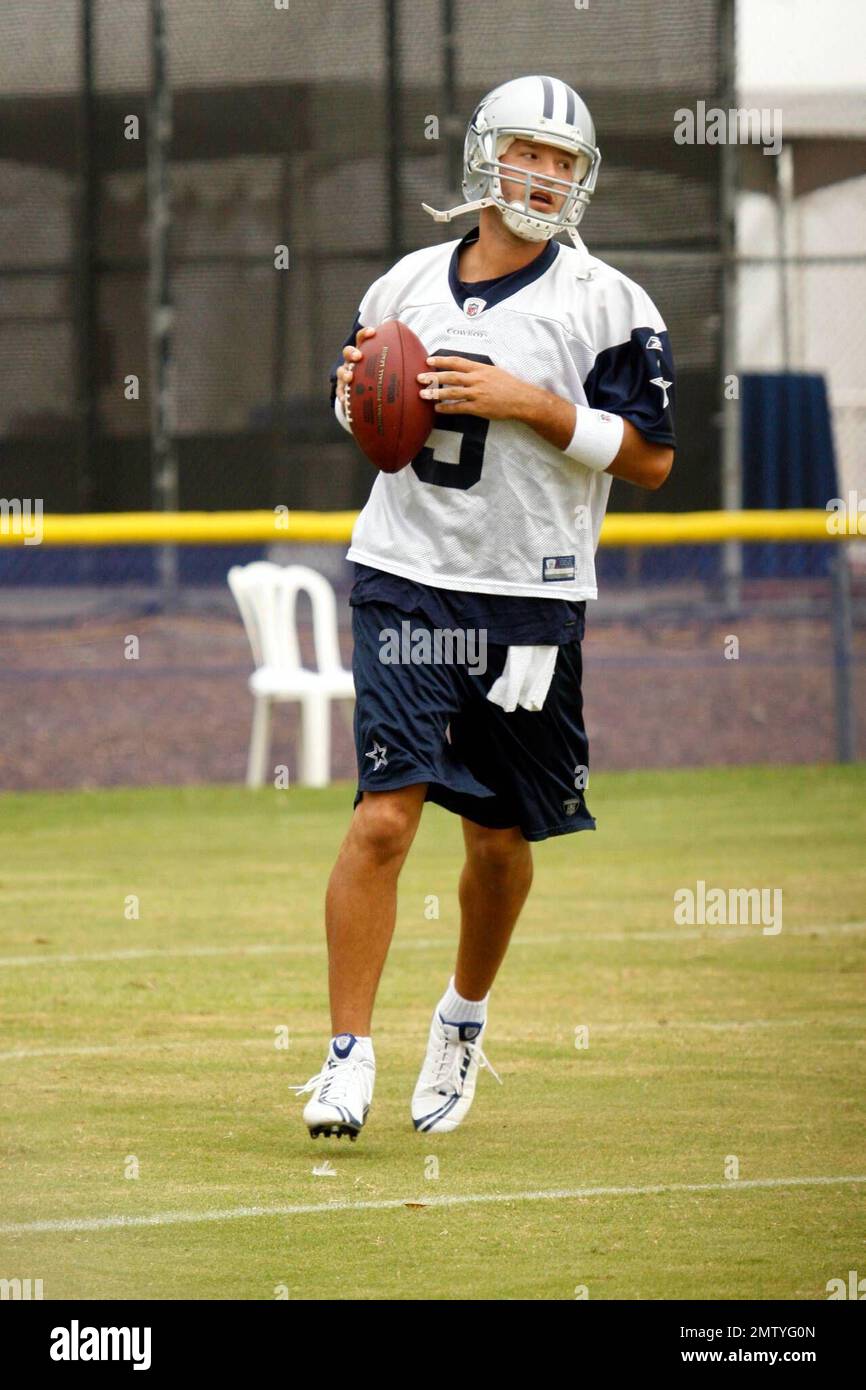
x=314, y=132
x=307, y=128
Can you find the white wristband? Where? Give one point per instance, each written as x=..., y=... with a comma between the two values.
x=597, y=438
x=341, y=414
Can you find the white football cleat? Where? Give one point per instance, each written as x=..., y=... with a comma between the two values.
x=446, y=1085
x=342, y=1090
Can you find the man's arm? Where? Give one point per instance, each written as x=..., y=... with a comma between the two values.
x=639, y=461
x=475, y=388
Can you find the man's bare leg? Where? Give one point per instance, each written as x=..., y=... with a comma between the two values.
x=494, y=884
x=493, y=887
x=361, y=901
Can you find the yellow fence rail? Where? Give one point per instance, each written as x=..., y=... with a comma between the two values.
x=274, y=527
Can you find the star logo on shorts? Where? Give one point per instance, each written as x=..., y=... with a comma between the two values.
x=663, y=385
x=377, y=753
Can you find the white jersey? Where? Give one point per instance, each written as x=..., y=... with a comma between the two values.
x=489, y=506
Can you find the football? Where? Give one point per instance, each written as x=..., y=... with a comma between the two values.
x=389, y=420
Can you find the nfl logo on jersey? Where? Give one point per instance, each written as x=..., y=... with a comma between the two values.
x=472, y=307
x=558, y=567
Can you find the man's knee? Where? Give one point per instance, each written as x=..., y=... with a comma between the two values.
x=385, y=822
x=503, y=850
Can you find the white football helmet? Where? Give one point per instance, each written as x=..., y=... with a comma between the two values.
x=548, y=111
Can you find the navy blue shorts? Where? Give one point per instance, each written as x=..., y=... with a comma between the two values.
x=430, y=721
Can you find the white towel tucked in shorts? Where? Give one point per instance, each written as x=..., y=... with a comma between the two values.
x=525, y=678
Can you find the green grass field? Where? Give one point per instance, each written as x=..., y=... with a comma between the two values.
x=152, y=1042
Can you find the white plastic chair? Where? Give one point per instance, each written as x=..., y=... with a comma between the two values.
x=266, y=595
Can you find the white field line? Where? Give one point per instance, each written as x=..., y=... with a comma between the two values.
x=142, y=1045
x=221, y=1045
x=180, y=1218
x=708, y=934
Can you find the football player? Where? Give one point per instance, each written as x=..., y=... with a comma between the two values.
x=551, y=374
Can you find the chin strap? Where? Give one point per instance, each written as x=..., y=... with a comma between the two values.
x=455, y=212
x=585, y=273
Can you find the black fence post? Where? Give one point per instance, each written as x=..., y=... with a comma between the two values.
x=843, y=644
x=394, y=133
x=85, y=285
x=164, y=474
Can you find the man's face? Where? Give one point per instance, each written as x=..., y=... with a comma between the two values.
x=543, y=162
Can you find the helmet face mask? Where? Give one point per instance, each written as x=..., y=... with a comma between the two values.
x=518, y=214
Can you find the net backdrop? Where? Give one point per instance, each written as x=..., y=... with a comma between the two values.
x=307, y=127
x=321, y=127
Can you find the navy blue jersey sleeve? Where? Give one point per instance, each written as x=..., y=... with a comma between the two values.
x=349, y=342
x=635, y=379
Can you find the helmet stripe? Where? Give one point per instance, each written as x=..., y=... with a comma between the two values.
x=569, y=109
x=548, y=97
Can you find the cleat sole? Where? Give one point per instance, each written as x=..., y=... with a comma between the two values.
x=333, y=1131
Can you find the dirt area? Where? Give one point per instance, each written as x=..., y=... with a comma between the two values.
x=76, y=712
